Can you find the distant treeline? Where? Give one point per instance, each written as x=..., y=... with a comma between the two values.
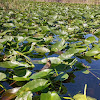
x=73, y=1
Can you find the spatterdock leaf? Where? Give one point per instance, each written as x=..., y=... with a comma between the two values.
x=16, y=78
x=1, y=46
x=50, y=96
x=2, y=76
x=13, y=64
x=58, y=45
x=81, y=49
x=54, y=60
x=62, y=76
x=34, y=85
x=8, y=25
x=83, y=97
x=86, y=72
x=93, y=51
x=42, y=50
x=22, y=75
x=90, y=40
x=45, y=28
x=97, y=56
x=80, y=97
x=25, y=96
x=10, y=94
x=68, y=54
x=3, y=33
x=40, y=74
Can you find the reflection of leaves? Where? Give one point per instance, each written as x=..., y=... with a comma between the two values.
x=70, y=78
x=79, y=66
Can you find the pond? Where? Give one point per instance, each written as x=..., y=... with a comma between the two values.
x=63, y=38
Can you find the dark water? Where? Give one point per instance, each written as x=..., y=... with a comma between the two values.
x=93, y=87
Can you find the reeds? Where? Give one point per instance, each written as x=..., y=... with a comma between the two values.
x=24, y=4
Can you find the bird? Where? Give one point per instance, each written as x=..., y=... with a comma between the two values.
x=47, y=65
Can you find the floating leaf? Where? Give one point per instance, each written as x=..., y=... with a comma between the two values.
x=13, y=64
x=10, y=94
x=45, y=28
x=62, y=76
x=68, y=54
x=2, y=76
x=32, y=48
x=20, y=38
x=8, y=25
x=22, y=75
x=81, y=49
x=90, y=40
x=54, y=60
x=58, y=45
x=16, y=78
x=1, y=46
x=42, y=50
x=8, y=38
x=41, y=74
x=83, y=97
x=90, y=98
x=19, y=53
x=3, y=33
x=93, y=51
x=50, y=96
x=80, y=97
x=97, y=56
x=34, y=85
x=86, y=72
x=68, y=98
x=25, y=96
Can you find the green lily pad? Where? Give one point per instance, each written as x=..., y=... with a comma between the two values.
x=10, y=94
x=34, y=85
x=50, y=96
x=2, y=76
x=94, y=51
x=25, y=96
x=62, y=76
x=41, y=74
x=42, y=50
x=68, y=54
